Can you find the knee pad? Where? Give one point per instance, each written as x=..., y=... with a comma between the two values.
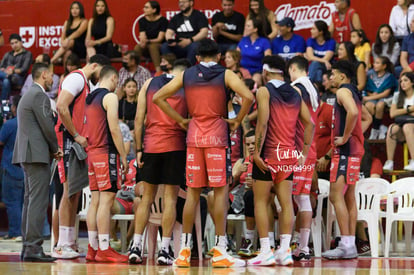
x=303, y=203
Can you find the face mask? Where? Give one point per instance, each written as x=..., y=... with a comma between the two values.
x=164, y=68
x=125, y=65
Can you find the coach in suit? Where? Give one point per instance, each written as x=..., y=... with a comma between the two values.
x=36, y=143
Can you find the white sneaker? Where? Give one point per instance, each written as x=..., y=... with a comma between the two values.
x=222, y=259
x=64, y=252
x=283, y=257
x=410, y=166
x=263, y=259
x=374, y=134
x=382, y=132
x=388, y=166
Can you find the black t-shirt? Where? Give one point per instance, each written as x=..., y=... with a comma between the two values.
x=152, y=28
x=186, y=27
x=127, y=110
x=234, y=24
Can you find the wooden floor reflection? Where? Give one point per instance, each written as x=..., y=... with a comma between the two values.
x=9, y=264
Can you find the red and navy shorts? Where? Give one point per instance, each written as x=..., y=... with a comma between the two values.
x=104, y=172
x=126, y=207
x=207, y=167
x=302, y=177
x=279, y=170
x=346, y=166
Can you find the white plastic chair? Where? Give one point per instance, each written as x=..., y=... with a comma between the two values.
x=330, y=216
x=317, y=222
x=368, y=194
x=402, y=191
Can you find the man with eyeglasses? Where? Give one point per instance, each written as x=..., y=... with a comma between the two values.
x=184, y=31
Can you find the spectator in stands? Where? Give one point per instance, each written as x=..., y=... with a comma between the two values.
x=320, y=50
x=189, y=26
x=14, y=66
x=101, y=28
x=232, y=61
x=228, y=27
x=42, y=58
x=73, y=34
x=362, y=47
x=12, y=176
x=381, y=84
x=253, y=47
x=344, y=20
x=258, y=10
x=346, y=52
x=1, y=38
x=288, y=44
x=131, y=68
x=72, y=63
x=152, y=28
x=400, y=18
x=407, y=51
x=386, y=44
x=167, y=61
x=402, y=111
x=127, y=107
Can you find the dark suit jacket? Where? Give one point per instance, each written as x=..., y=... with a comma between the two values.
x=36, y=137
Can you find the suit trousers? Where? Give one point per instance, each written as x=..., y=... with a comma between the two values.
x=36, y=201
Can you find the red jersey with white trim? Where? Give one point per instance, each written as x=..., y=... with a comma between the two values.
x=354, y=147
x=206, y=96
x=323, y=128
x=99, y=135
x=342, y=29
x=76, y=108
x=299, y=127
x=284, y=108
x=162, y=133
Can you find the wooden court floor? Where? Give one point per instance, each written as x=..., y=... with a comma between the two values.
x=10, y=264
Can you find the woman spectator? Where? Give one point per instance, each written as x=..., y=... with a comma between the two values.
x=402, y=111
x=400, y=18
x=253, y=47
x=152, y=27
x=72, y=63
x=320, y=50
x=362, y=47
x=73, y=34
x=101, y=28
x=258, y=10
x=232, y=60
x=381, y=84
x=386, y=44
x=346, y=52
x=128, y=104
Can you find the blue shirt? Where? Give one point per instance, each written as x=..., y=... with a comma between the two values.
x=378, y=85
x=321, y=50
x=288, y=49
x=8, y=137
x=408, y=46
x=252, y=54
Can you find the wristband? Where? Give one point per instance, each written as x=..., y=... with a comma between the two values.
x=192, y=40
x=327, y=157
x=76, y=135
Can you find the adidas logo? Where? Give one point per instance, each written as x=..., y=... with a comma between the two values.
x=186, y=27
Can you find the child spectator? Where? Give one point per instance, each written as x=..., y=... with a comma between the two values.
x=381, y=84
x=362, y=47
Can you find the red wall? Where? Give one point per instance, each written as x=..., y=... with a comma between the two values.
x=45, y=18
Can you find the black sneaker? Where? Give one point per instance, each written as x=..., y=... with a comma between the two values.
x=165, y=258
x=301, y=255
x=134, y=255
x=363, y=247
